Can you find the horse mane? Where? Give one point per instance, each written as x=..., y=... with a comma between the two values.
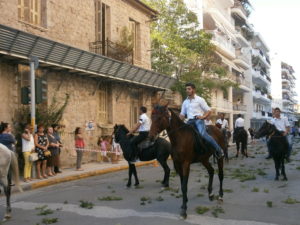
x=175, y=117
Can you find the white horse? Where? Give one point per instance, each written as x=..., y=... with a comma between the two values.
x=8, y=164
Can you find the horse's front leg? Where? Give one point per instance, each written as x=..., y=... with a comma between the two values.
x=237, y=149
x=277, y=167
x=135, y=175
x=7, y=191
x=211, y=172
x=221, y=177
x=283, y=169
x=129, y=175
x=166, y=168
x=184, y=177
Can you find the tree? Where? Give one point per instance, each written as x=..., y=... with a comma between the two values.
x=182, y=50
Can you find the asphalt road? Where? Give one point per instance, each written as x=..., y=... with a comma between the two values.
x=251, y=197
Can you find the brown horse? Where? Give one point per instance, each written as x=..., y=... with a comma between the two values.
x=187, y=147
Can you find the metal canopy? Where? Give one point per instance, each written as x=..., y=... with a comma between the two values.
x=22, y=45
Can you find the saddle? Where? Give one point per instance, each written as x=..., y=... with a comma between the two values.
x=147, y=143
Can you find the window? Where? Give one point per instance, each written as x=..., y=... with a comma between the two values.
x=134, y=28
x=102, y=25
x=32, y=11
x=103, y=104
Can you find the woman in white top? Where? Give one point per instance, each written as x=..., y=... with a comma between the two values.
x=27, y=148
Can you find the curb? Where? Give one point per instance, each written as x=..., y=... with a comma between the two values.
x=45, y=183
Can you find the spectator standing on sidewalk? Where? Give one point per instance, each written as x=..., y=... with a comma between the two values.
x=41, y=145
x=27, y=149
x=6, y=138
x=54, y=149
x=57, y=137
x=79, y=146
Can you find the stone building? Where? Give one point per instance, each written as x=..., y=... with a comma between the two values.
x=96, y=51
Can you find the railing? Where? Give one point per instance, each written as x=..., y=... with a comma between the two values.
x=112, y=50
x=222, y=104
x=222, y=40
x=238, y=4
x=239, y=107
x=245, y=57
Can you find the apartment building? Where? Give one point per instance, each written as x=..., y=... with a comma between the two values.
x=96, y=51
x=289, y=102
x=226, y=20
x=261, y=82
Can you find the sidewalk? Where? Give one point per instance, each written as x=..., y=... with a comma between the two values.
x=90, y=169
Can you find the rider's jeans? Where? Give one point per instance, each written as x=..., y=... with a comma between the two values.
x=202, y=130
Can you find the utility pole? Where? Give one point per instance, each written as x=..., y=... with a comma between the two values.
x=34, y=63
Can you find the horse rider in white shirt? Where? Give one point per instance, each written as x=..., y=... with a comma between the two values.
x=282, y=124
x=239, y=124
x=196, y=110
x=223, y=124
x=143, y=126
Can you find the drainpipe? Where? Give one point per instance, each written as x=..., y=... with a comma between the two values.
x=34, y=63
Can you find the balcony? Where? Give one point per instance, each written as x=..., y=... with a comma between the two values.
x=244, y=84
x=260, y=77
x=258, y=53
x=239, y=107
x=242, y=59
x=260, y=97
x=261, y=115
x=223, y=43
x=221, y=105
x=241, y=37
x=239, y=9
x=112, y=50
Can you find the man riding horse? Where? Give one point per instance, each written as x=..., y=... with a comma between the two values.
x=222, y=123
x=282, y=124
x=196, y=110
x=143, y=126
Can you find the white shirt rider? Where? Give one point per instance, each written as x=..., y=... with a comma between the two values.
x=145, y=123
x=239, y=122
x=195, y=106
x=223, y=123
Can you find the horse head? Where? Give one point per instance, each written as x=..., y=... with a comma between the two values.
x=266, y=129
x=119, y=130
x=160, y=120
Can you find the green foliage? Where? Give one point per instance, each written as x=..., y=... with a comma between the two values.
x=49, y=220
x=290, y=200
x=201, y=209
x=255, y=189
x=217, y=210
x=86, y=204
x=182, y=50
x=110, y=198
x=270, y=204
x=46, y=115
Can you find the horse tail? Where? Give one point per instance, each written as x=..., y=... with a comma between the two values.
x=15, y=170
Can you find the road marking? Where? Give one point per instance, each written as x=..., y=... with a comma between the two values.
x=112, y=213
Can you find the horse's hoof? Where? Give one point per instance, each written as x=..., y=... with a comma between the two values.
x=7, y=217
x=220, y=199
x=285, y=179
x=276, y=178
x=136, y=184
x=211, y=197
x=128, y=185
x=236, y=156
x=183, y=215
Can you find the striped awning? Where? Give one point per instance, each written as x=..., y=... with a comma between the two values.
x=21, y=45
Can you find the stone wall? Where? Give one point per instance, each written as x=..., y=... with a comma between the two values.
x=8, y=91
x=72, y=22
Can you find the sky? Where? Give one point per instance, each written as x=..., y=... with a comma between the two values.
x=278, y=21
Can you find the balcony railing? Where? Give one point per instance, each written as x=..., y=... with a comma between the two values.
x=222, y=40
x=239, y=107
x=238, y=4
x=222, y=104
x=112, y=50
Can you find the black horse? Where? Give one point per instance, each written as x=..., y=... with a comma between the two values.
x=278, y=146
x=160, y=151
x=241, y=139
